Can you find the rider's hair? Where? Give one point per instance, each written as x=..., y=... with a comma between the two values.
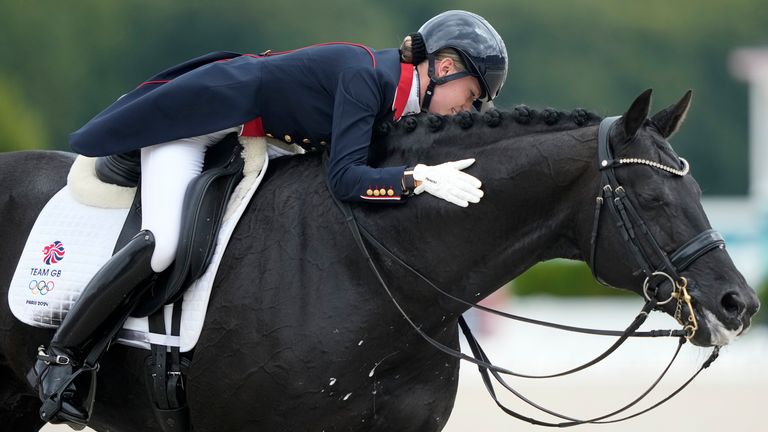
x=407, y=54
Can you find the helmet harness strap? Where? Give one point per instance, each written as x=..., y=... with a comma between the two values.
x=435, y=81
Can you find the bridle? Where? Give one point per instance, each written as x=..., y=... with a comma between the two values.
x=624, y=212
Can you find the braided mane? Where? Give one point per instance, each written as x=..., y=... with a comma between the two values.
x=417, y=132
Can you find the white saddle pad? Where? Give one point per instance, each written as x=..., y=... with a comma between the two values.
x=71, y=241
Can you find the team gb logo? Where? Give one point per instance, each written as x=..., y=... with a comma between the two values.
x=53, y=253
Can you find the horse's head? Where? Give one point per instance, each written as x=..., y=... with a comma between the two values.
x=655, y=182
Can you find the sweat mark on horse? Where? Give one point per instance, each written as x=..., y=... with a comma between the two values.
x=280, y=349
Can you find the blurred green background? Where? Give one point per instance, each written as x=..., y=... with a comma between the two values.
x=63, y=62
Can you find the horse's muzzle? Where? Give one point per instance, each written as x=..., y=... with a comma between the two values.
x=727, y=318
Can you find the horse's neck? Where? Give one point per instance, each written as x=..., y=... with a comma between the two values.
x=547, y=201
x=538, y=205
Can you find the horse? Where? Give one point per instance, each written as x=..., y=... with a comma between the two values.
x=300, y=335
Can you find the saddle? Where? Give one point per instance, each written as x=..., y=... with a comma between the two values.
x=204, y=204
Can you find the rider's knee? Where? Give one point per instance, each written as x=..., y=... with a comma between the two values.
x=163, y=255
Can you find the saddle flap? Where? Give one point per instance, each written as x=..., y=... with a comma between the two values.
x=204, y=204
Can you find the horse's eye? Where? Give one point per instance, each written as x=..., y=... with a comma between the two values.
x=648, y=199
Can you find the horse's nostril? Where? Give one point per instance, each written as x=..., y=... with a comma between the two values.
x=733, y=304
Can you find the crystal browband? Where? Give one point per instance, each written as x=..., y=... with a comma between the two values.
x=679, y=172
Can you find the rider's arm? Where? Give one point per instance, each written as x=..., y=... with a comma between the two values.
x=358, y=101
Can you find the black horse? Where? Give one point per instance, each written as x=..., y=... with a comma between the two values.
x=299, y=333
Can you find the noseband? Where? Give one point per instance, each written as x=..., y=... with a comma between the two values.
x=669, y=266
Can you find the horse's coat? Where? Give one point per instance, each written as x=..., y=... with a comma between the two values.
x=281, y=348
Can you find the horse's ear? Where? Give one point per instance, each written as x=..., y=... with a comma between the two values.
x=669, y=119
x=637, y=113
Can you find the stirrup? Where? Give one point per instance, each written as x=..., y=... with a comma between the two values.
x=51, y=411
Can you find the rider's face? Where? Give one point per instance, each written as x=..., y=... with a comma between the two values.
x=452, y=97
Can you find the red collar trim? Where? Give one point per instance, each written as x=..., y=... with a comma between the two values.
x=403, y=89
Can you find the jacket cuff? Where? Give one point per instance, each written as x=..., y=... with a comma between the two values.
x=385, y=187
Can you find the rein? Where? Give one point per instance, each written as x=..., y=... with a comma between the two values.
x=620, y=207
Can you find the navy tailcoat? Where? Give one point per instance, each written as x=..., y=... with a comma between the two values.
x=314, y=96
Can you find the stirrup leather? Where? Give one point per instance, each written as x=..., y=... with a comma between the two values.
x=51, y=359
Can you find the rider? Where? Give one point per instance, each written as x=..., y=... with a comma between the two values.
x=310, y=97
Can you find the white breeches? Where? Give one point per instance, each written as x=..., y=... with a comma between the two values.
x=166, y=171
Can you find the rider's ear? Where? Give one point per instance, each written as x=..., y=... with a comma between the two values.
x=445, y=66
x=637, y=113
x=669, y=119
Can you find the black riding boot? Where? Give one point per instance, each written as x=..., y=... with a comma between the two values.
x=86, y=331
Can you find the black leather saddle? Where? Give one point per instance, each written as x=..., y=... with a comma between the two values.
x=204, y=204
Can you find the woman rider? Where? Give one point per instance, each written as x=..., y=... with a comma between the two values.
x=315, y=96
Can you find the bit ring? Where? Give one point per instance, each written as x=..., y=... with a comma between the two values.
x=645, y=287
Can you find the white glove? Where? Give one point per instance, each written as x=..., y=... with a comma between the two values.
x=446, y=181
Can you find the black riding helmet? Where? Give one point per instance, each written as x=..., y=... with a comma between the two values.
x=476, y=41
